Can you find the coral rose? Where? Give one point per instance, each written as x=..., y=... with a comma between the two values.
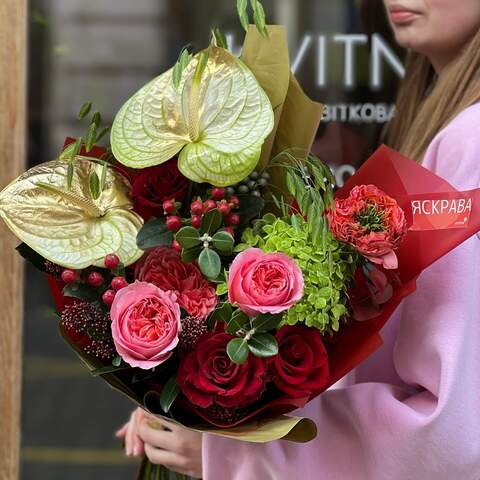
x=301, y=366
x=372, y=222
x=163, y=267
x=207, y=375
x=261, y=282
x=145, y=324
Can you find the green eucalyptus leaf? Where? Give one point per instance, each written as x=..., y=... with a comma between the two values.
x=223, y=242
x=211, y=222
x=67, y=152
x=188, y=237
x=191, y=254
x=266, y=322
x=263, y=345
x=97, y=119
x=237, y=350
x=239, y=321
x=259, y=18
x=169, y=393
x=210, y=263
x=154, y=234
x=84, y=110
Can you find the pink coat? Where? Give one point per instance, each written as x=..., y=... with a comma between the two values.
x=412, y=410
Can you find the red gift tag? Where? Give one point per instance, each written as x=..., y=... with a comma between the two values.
x=440, y=211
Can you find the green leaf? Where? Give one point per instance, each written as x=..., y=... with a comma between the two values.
x=97, y=119
x=237, y=350
x=168, y=394
x=239, y=321
x=222, y=289
x=211, y=222
x=209, y=263
x=259, y=18
x=101, y=134
x=108, y=369
x=220, y=38
x=191, y=254
x=91, y=137
x=201, y=65
x=84, y=110
x=82, y=291
x=266, y=322
x=94, y=185
x=31, y=256
x=103, y=177
x=263, y=345
x=223, y=242
x=154, y=234
x=67, y=152
x=223, y=313
x=183, y=60
x=117, y=361
x=242, y=13
x=188, y=237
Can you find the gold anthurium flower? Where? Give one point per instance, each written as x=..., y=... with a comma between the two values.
x=71, y=226
x=218, y=119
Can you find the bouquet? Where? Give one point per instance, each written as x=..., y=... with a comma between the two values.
x=204, y=266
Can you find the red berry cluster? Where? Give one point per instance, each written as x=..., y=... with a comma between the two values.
x=218, y=200
x=170, y=208
x=96, y=279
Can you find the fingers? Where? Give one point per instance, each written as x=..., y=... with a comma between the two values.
x=122, y=432
x=171, y=460
x=156, y=436
x=133, y=444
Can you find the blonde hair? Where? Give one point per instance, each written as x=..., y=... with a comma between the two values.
x=425, y=105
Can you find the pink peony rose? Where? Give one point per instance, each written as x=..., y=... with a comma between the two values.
x=261, y=282
x=145, y=324
x=163, y=267
x=372, y=222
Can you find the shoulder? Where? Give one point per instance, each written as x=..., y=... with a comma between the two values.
x=454, y=153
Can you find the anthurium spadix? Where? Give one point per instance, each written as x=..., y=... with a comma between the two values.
x=71, y=226
x=216, y=120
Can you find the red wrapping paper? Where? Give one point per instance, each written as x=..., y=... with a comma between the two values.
x=437, y=224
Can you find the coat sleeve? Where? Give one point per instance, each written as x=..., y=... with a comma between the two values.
x=425, y=423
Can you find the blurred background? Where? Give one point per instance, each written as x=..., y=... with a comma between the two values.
x=103, y=51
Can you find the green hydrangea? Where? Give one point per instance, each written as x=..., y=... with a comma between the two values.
x=327, y=271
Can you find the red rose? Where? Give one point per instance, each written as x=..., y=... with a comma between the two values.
x=163, y=267
x=207, y=375
x=372, y=222
x=301, y=366
x=152, y=186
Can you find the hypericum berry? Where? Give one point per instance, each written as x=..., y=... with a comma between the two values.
x=235, y=201
x=229, y=230
x=174, y=223
x=224, y=207
x=233, y=219
x=197, y=207
x=108, y=297
x=209, y=205
x=218, y=193
x=196, y=221
x=69, y=276
x=111, y=261
x=95, y=279
x=169, y=206
x=118, y=283
x=177, y=246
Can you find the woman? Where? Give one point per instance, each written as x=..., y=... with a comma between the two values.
x=412, y=410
